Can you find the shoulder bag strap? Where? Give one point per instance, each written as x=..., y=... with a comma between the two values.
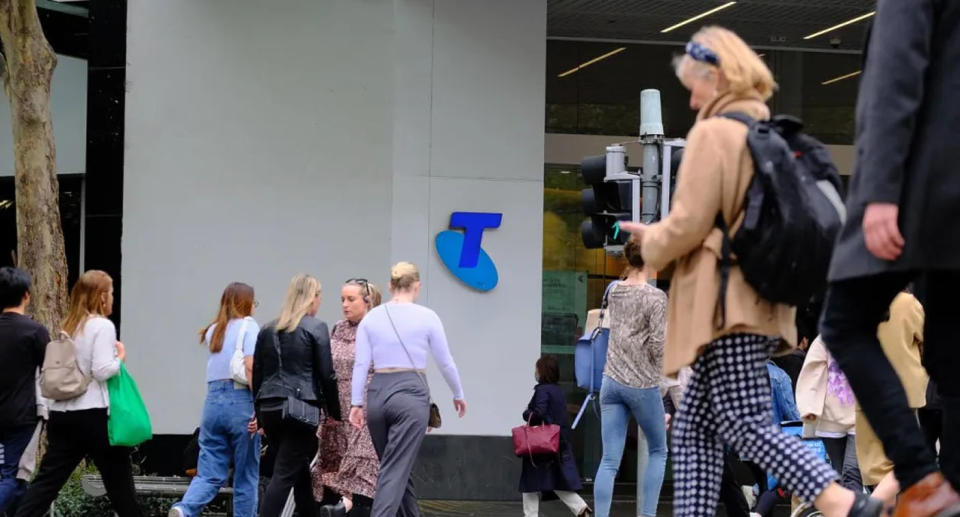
x=409, y=357
x=238, y=348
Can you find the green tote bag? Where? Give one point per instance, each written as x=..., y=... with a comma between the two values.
x=129, y=423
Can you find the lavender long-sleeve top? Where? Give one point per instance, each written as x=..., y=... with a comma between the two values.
x=420, y=330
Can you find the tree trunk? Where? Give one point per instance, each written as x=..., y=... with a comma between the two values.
x=26, y=76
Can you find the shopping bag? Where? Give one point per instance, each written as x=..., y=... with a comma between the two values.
x=129, y=423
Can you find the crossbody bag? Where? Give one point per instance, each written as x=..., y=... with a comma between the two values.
x=434, y=421
x=293, y=409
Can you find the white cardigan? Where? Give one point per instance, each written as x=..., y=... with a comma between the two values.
x=96, y=344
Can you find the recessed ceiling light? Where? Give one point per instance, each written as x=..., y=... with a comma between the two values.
x=839, y=25
x=592, y=61
x=697, y=17
x=842, y=77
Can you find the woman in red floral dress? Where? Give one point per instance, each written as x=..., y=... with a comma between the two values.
x=348, y=463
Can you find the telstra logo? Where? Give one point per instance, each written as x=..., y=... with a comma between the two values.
x=461, y=252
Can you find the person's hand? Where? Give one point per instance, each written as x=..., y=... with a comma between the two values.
x=252, y=426
x=460, y=406
x=634, y=229
x=121, y=352
x=357, y=418
x=809, y=417
x=881, y=232
x=666, y=420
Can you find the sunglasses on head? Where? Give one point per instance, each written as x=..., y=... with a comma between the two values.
x=363, y=282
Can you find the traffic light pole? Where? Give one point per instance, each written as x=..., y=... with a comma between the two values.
x=651, y=136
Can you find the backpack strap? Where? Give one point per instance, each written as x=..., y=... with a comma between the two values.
x=739, y=116
x=725, y=262
x=726, y=249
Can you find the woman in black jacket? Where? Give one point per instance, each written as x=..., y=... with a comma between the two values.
x=293, y=377
x=557, y=475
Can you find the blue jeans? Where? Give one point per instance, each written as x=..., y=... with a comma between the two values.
x=617, y=404
x=13, y=441
x=223, y=435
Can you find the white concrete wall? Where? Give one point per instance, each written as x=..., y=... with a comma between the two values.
x=68, y=107
x=332, y=137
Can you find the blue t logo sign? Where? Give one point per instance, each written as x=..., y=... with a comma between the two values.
x=462, y=253
x=473, y=224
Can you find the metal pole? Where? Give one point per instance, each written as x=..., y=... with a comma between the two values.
x=651, y=136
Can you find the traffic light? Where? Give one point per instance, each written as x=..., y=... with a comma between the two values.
x=609, y=199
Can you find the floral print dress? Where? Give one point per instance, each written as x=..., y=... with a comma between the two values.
x=348, y=463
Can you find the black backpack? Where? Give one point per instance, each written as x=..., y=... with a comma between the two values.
x=793, y=212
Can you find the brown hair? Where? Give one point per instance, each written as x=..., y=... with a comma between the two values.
x=547, y=370
x=631, y=251
x=742, y=67
x=403, y=275
x=88, y=298
x=236, y=302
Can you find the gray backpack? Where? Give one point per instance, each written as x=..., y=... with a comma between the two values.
x=61, y=377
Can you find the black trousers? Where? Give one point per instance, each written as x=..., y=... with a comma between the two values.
x=71, y=436
x=843, y=456
x=852, y=311
x=731, y=495
x=931, y=421
x=295, y=446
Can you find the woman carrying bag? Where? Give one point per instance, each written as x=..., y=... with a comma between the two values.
x=293, y=377
x=224, y=438
x=78, y=427
x=727, y=340
x=396, y=338
x=549, y=475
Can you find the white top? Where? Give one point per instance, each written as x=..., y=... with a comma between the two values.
x=378, y=343
x=96, y=350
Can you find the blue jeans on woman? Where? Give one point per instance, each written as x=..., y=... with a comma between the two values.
x=224, y=436
x=617, y=404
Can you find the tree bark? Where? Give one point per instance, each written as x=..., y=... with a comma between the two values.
x=26, y=75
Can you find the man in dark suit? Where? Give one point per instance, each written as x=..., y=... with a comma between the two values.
x=904, y=220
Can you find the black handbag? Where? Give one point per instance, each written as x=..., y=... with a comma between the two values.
x=434, y=421
x=293, y=409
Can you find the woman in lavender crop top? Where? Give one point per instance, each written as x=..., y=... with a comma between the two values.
x=395, y=339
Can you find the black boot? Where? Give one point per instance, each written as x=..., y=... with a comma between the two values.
x=362, y=506
x=866, y=506
x=333, y=510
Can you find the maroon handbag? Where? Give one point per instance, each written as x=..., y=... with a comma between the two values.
x=537, y=440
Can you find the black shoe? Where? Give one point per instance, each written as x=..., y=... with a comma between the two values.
x=333, y=510
x=866, y=506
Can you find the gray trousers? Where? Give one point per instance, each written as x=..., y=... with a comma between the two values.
x=398, y=407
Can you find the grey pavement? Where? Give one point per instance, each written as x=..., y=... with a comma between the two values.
x=547, y=509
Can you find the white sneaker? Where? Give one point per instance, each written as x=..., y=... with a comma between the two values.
x=176, y=512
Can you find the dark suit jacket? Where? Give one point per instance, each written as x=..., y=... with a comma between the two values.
x=908, y=129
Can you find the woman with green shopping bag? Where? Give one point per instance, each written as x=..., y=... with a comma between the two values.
x=78, y=426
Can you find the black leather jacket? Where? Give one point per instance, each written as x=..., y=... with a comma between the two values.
x=307, y=371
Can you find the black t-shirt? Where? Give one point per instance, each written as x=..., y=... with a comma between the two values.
x=22, y=346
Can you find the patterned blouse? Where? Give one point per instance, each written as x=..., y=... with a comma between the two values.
x=637, y=316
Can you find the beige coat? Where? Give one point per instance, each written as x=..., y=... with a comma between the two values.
x=814, y=397
x=713, y=177
x=901, y=337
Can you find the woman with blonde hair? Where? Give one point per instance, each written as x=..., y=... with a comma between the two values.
x=728, y=400
x=293, y=378
x=77, y=427
x=348, y=463
x=395, y=338
x=224, y=438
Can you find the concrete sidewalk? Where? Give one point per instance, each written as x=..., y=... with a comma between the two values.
x=547, y=509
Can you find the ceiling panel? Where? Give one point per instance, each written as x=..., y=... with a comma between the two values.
x=778, y=23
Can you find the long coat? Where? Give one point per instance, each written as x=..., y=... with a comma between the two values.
x=713, y=177
x=549, y=405
x=908, y=126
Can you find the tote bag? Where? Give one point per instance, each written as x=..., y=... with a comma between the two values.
x=128, y=424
